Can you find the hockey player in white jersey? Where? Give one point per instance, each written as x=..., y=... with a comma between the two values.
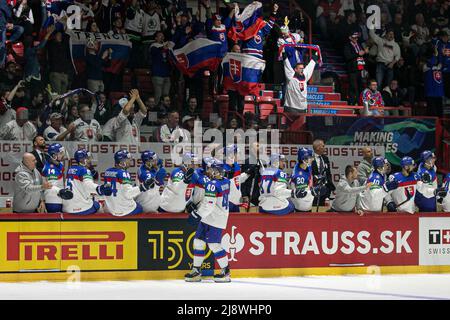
x=212, y=218
x=176, y=194
x=403, y=196
x=426, y=188
x=274, y=193
x=80, y=181
x=152, y=170
x=443, y=194
x=234, y=174
x=372, y=198
x=53, y=172
x=121, y=202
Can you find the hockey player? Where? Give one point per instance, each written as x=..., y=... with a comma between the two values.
x=53, y=171
x=403, y=196
x=196, y=188
x=233, y=173
x=121, y=202
x=444, y=194
x=80, y=182
x=274, y=192
x=302, y=180
x=212, y=218
x=176, y=194
x=372, y=198
x=152, y=170
x=426, y=188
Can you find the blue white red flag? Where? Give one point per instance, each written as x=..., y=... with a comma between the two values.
x=246, y=25
x=198, y=54
x=242, y=73
x=119, y=43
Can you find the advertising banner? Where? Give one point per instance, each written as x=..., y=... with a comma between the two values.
x=400, y=136
x=102, y=152
x=434, y=241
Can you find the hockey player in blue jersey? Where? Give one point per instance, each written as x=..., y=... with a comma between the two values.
x=402, y=198
x=274, y=192
x=151, y=170
x=196, y=188
x=426, y=188
x=176, y=194
x=81, y=182
x=53, y=172
x=373, y=197
x=302, y=180
x=443, y=194
x=121, y=202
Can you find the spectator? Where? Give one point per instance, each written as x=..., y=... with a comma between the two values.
x=434, y=85
x=102, y=108
x=72, y=113
x=252, y=167
x=344, y=28
x=134, y=24
x=19, y=129
x=36, y=107
x=354, y=57
x=321, y=168
x=6, y=25
x=118, y=27
x=151, y=22
x=166, y=132
x=372, y=97
x=39, y=152
x=24, y=16
x=60, y=63
x=444, y=56
x=191, y=109
x=165, y=105
x=152, y=111
x=56, y=132
x=6, y=112
x=161, y=69
x=87, y=14
x=325, y=14
x=347, y=191
x=87, y=129
x=9, y=76
x=29, y=187
x=365, y=166
x=398, y=27
x=388, y=54
x=392, y=97
x=32, y=69
x=126, y=126
x=419, y=36
x=95, y=65
x=108, y=14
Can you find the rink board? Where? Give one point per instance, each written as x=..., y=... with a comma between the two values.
x=159, y=246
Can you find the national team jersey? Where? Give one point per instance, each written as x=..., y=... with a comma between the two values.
x=302, y=179
x=294, y=55
x=425, y=197
x=214, y=208
x=405, y=184
x=219, y=33
x=372, y=198
x=55, y=175
x=86, y=132
x=80, y=181
x=236, y=182
x=150, y=199
x=446, y=200
x=196, y=189
x=274, y=192
x=121, y=202
x=50, y=134
x=174, y=195
x=444, y=55
x=254, y=46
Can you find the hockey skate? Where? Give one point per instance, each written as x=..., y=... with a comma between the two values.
x=223, y=276
x=193, y=276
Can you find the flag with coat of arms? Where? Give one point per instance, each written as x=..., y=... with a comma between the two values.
x=242, y=73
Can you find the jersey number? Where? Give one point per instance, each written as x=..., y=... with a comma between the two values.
x=265, y=186
x=114, y=188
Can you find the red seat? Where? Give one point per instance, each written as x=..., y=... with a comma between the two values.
x=266, y=106
x=249, y=104
x=223, y=106
x=142, y=72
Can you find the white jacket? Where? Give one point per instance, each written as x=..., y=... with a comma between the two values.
x=296, y=90
x=12, y=131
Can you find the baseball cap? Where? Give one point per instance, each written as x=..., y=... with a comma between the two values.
x=22, y=113
x=56, y=115
x=187, y=118
x=123, y=102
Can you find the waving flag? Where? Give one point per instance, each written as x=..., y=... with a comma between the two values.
x=298, y=46
x=198, y=54
x=247, y=24
x=119, y=43
x=242, y=72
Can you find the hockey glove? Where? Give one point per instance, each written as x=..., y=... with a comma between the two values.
x=94, y=174
x=441, y=192
x=194, y=218
x=104, y=190
x=426, y=177
x=147, y=185
x=188, y=175
x=190, y=206
x=390, y=185
x=318, y=191
x=160, y=175
x=65, y=194
x=299, y=193
x=391, y=207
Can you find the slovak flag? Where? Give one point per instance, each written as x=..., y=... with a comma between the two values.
x=198, y=54
x=242, y=72
x=247, y=24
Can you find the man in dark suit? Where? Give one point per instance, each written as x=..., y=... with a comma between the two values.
x=39, y=152
x=250, y=188
x=321, y=168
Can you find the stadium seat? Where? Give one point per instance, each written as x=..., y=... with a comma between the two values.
x=266, y=106
x=222, y=102
x=249, y=104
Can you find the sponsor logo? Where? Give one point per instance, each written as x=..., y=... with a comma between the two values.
x=258, y=39
x=439, y=236
x=233, y=243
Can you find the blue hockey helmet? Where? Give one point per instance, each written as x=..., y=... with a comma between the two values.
x=426, y=155
x=406, y=161
x=276, y=158
x=81, y=154
x=149, y=155
x=54, y=149
x=230, y=149
x=218, y=168
x=207, y=162
x=121, y=156
x=378, y=162
x=304, y=154
x=189, y=158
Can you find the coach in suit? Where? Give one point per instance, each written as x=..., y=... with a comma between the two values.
x=39, y=152
x=321, y=167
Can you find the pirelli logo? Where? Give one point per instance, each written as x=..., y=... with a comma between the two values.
x=91, y=245
x=88, y=245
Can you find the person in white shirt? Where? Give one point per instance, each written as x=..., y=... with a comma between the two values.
x=19, y=129
x=56, y=132
x=297, y=83
x=87, y=129
x=126, y=126
x=169, y=131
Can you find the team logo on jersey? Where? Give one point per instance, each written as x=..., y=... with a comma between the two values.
x=236, y=70
x=222, y=37
x=437, y=76
x=233, y=243
x=183, y=60
x=257, y=39
x=446, y=52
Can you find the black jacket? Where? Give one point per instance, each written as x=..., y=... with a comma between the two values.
x=39, y=163
x=351, y=57
x=326, y=172
x=250, y=188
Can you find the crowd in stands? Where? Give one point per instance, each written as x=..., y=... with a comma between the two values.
x=407, y=58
